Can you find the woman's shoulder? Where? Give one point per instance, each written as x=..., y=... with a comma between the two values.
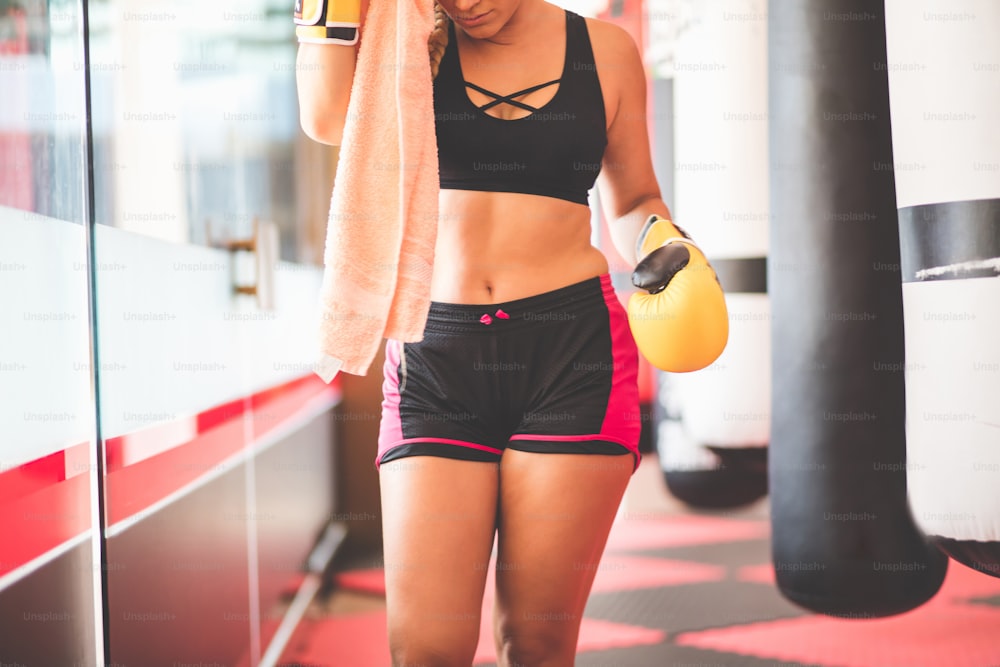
x=610, y=41
x=616, y=56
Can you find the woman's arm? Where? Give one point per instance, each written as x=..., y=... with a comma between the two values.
x=681, y=323
x=324, y=74
x=627, y=183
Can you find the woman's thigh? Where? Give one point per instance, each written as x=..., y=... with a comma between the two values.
x=556, y=511
x=438, y=522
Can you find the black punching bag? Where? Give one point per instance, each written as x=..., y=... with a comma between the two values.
x=844, y=542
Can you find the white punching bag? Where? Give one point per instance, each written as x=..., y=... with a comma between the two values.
x=713, y=441
x=944, y=86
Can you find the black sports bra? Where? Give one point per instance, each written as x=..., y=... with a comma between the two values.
x=554, y=151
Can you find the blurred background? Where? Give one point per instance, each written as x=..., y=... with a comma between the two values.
x=178, y=488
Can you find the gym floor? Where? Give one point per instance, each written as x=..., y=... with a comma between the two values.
x=678, y=589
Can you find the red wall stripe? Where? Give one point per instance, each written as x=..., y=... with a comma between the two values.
x=46, y=502
x=134, y=488
x=38, y=522
x=31, y=477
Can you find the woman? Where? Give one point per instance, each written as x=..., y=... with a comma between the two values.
x=518, y=412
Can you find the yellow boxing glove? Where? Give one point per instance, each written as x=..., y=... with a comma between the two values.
x=327, y=21
x=680, y=323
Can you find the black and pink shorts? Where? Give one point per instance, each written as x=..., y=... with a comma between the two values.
x=551, y=373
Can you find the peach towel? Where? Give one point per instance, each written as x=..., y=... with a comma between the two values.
x=379, y=251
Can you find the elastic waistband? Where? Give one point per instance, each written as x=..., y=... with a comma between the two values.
x=559, y=305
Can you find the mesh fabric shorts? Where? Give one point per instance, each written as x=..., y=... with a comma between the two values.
x=551, y=373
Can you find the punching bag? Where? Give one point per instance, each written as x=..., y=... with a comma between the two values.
x=715, y=429
x=843, y=541
x=700, y=476
x=947, y=164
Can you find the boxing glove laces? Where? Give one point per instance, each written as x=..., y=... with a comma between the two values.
x=327, y=21
x=679, y=322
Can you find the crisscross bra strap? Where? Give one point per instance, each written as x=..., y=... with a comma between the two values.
x=509, y=99
x=555, y=151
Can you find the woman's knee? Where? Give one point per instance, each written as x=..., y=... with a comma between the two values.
x=426, y=656
x=415, y=647
x=542, y=640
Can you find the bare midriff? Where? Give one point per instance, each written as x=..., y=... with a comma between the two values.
x=500, y=246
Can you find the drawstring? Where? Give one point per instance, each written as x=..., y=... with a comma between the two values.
x=488, y=319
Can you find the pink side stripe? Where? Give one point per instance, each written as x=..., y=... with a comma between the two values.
x=622, y=411
x=391, y=428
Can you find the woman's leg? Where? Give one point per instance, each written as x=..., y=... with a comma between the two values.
x=438, y=521
x=556, y=511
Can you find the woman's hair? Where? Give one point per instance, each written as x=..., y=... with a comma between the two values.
x=438, y=40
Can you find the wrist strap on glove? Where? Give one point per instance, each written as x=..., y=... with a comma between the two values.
x=327, y=21
x=652, y=237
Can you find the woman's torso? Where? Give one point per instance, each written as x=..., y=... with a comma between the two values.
x=499, y=246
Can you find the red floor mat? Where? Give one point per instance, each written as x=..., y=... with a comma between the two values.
x=634, y=535
x=360, y=641
x=620, y=573
x=957, y=636
x=758, y=574
x=704, y=612
x=944, y=631
x=362, y=581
